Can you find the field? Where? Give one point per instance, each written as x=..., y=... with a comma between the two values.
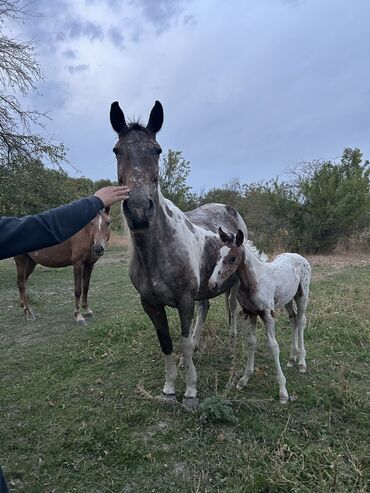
x=79, y=411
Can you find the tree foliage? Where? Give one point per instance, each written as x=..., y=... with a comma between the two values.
x=173, y=172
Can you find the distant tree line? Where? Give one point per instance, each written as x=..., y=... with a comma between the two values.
x=323, y=202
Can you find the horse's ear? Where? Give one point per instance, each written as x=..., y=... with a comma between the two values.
x=107, y=209
x=117, y=118
x=239, y=237
x=224, y=236
x=156, y=118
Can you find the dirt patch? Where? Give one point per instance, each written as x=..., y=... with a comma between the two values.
x=339, y=261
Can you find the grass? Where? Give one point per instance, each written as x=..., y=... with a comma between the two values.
x=79, y=411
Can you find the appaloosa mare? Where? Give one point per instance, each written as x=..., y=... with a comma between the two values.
x=265, y=286
x=81, y=250
x=173, y=252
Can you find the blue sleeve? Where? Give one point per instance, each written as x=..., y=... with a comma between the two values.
x=29, y=233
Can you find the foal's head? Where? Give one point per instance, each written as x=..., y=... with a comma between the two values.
x=137, y=154
x=229, y=258
x=100, y=231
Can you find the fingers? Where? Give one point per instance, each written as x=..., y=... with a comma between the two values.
x=112, y=194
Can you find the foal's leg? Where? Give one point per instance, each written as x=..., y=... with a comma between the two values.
x=157, y=315
x=25, y=266
x=202, y=310
x=85, y=289
x=294, y=352
x=250, y=322
x=274, y=348
x=186, y=313
x=232, y=308
x=301, y=324
x=78, y=273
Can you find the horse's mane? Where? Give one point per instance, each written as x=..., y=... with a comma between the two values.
x=134, y=125
x=254, y=251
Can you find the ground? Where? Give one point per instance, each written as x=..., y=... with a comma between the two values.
x=79, y=408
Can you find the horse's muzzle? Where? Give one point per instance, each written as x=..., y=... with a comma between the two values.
x=213, y=286
x=138, y=213
x=98, y=250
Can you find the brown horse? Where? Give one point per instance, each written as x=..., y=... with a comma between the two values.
x=82, y=251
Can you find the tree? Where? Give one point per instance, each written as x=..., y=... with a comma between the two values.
x=173, y=172
x=28, y=187
x=334, y=200
x=19, y=73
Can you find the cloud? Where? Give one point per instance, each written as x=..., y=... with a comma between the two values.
x=76, y=28
x=161, y=13
x=116, y=37
x=71, y=54
x=72, y=69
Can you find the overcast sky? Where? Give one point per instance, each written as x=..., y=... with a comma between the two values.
x=249, y=87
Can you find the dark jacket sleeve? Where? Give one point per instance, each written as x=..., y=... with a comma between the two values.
x=29, y=233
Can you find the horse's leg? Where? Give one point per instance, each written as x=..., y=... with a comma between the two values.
x=78, y=273
x=157, y=315
x=293, y=323
x=85, y=289
x=250, y=323
x=269, y=321
x=202, y=310
x=186, y=313
x=301, y=301
x=232, y=311
x=25, y=266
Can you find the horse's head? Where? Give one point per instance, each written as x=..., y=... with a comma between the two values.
x=230, y=257
x=100, y=231
x=137, y=154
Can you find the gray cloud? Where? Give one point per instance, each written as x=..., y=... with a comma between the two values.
x=83, y=67
x=76, y=28
x=71, y=54
x=161, y=13
x=116, y=37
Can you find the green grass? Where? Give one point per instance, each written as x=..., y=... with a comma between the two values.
x=79, y=413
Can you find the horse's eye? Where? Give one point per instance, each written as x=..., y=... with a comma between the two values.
x=232, y=259
x=115, y=150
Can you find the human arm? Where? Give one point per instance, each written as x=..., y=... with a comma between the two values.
x=26, y=234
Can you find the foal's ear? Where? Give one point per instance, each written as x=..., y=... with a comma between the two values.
x=117, y=118
x=239, y=237
x=156, y=118
x=224, y=236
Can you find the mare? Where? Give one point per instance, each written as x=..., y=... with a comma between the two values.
x=265, y=286
x=173, y=252
x=82, y=251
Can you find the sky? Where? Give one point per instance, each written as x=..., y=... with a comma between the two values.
x=249, y=88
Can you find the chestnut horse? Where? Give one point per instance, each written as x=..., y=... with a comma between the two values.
x=173, y=253
x=82, y=251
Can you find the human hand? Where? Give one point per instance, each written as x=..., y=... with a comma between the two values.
x=111, y=195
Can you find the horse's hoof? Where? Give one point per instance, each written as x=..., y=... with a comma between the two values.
x=284, y=401
x=88, y=313
x=242, y=383
x=30, y=317
x=302, y=368
x=291, y=363
x=191, y=403
x=81, y=321
x=168, y=398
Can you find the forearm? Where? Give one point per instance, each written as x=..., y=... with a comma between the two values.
x=21, y=235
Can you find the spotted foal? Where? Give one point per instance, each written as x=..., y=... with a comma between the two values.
x=265, y=286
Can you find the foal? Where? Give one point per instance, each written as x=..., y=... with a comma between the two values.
x=265, y=286
x=82, y=251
